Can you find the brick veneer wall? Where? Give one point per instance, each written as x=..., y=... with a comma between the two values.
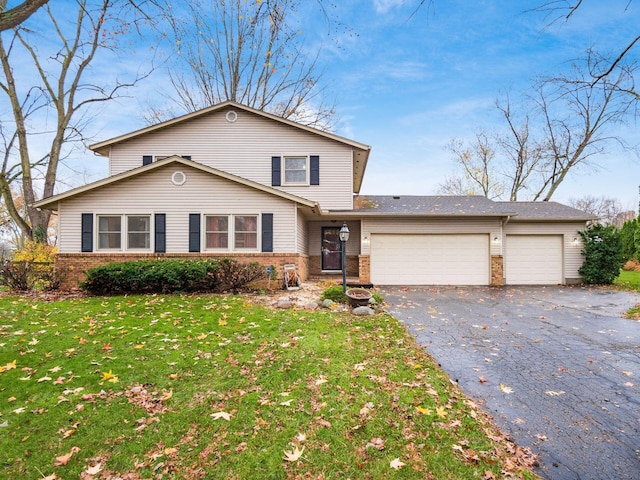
x=74, y=265
x=497, y=271
x=315, y=265
x=364, y=269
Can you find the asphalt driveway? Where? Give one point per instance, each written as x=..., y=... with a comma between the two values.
x=557, y=367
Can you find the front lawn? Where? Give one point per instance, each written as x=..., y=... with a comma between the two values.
x=214, y=387
x=628, y=280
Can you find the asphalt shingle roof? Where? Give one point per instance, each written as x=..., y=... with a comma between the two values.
x=468, y=205
x=545, y=211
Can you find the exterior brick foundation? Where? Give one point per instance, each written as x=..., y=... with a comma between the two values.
x=315, y=266
x=74, y=265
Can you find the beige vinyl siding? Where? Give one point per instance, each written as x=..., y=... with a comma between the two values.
x=245, y=148
x=302, y=235
x=315, y=236
x=572, y=257
x=406, y=225
x=155, y=193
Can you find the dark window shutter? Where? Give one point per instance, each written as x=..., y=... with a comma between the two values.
x=147, y=159
x=160, y=238
x=276, y=175
x=314, y=170
x=186, y=157
x=194, y=232
x=87, y=232
x=267, y=232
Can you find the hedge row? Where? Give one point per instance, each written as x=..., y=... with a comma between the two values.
x=165, y=276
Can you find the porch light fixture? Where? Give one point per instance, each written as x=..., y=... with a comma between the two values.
x=344, y=238
x=575, y=241
x=496, y=239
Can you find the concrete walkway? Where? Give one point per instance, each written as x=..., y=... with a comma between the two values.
x=557, y=367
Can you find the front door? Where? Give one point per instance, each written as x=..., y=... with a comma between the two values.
x=331, y=249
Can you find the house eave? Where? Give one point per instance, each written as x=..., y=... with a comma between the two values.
x=51, y=203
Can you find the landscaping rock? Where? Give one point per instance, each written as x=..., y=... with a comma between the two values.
x=284, y=303
x=363, y=311
x=311, y=306
x=327, y=303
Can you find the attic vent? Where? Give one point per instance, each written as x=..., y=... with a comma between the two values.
x=231, y=116
x=396, y=198
x=178, y=178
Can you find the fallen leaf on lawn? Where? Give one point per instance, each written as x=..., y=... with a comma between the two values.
x=554, y=394
x=219, y=415
x=19, y=410
x=506, y=389
x=458, y=447
x=166, y=395
x=482, y=379
x=293, y=455
x=4, y=424
x=96, y=469
x=287, y=403
x=301, y=437
x=441, y=412
x=424, y=411
x=9, y=366
x=11, y=399
x=58, y=381
x=64, y=459
x=376, y=443
x=44, y=379
x=68, y=433
x=396, y=464
x=55, y=369
x=321, y=380
x=53, y=476
x=109, y=376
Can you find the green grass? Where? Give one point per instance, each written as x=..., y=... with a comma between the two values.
x=628, y=280
x=133, y=382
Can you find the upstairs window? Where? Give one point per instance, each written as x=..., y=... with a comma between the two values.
x=296, y=170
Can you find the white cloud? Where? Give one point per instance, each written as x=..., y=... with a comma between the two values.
x=383, y=6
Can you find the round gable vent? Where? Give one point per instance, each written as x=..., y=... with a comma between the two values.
x=231, y=116
x=178, y=178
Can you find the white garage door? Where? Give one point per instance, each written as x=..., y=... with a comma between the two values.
x=430, y=259
x=533, y=260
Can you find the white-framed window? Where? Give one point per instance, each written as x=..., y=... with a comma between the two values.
x=295, y=170
x=138, y=232
x=245, y=232
x=216, y=232
x=231, y=232
x=135, y=229
x=110, y=232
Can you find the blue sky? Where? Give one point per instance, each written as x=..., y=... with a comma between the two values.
x=408, y=86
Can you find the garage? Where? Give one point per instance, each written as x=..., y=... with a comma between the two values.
x=430, y=259
x=534, y=260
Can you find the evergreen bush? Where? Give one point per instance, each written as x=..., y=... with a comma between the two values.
x=602, y=255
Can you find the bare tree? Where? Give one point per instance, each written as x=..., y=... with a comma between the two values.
x=15, y=16
x=476, y=161
x=608, y=210
x=564, y=11
x=580, y=117
x=248, y=52
x=58, y=89
x=572, y=121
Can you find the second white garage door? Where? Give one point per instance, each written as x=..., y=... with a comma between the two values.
x=533, y=260
x=430, y=259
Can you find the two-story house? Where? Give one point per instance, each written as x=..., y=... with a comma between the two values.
x=232, y=181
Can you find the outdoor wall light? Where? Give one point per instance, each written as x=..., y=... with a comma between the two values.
x=344, y=238
x=575, y=241
x=496, y=239
x=366, y=241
